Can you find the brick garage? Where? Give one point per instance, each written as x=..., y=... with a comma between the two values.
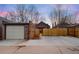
x=20, y=31
x=16, y=30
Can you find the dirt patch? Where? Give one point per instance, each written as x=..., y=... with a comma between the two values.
x=73, y=49
x=19, y=47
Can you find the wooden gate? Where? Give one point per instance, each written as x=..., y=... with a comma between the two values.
x=71, y=31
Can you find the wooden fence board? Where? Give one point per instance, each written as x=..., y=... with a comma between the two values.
x=77, y=32
x=55, y=32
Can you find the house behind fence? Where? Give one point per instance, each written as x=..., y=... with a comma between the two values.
x=67, y=30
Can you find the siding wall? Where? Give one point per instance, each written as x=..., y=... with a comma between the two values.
x=0, y=30
x=0, y=33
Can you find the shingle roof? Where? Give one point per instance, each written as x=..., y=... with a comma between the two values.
x=4, y=20
x=65, y=25
x=42, y=25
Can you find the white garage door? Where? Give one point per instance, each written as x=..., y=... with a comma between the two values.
x=15, y=32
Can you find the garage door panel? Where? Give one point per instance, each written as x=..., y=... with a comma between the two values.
x=15, y=32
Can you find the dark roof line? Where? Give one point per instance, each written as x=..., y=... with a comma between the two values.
x=16, y=23
x=43, y=23
x=4, y=19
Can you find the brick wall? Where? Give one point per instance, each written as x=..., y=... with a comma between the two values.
x=26, y=32
x=33, y=32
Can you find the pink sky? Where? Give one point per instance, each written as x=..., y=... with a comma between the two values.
x=4, y=13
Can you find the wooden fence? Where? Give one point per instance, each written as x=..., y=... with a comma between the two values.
x=37, y=34
x=61, y=32
x=55, y=32
x=77, y=32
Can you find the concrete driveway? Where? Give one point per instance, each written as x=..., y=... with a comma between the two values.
x=45, y=45
x=10, y=42
x=53, y=41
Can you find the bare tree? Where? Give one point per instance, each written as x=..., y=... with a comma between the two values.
x=10, y=16
x=61, y=15
x=33, y=13
x=55, y=14
x=37, y=17
x=43, y=18
x=21, y=12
